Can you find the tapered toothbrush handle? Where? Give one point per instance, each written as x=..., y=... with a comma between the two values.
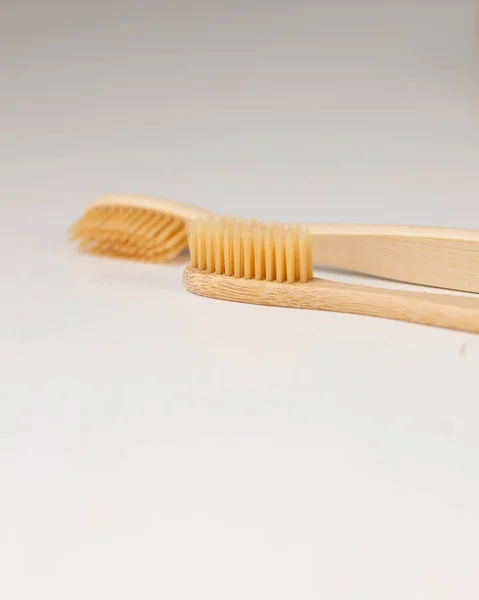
x=448, y=311
x=439, y=257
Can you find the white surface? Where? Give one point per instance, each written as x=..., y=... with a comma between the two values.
x=158, y=445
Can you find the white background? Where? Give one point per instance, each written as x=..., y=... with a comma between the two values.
x=154, y=444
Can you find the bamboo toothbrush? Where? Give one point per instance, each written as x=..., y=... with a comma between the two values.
x=153, y=230
x=271, y=264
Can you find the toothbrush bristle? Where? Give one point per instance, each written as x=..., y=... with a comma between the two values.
x=251, y=249
x=129, y=233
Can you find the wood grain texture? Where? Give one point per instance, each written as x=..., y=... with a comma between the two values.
x=437, y=257
x=460, y=313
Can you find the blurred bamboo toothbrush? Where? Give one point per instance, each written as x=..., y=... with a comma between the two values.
x=134, y=227
x=271, y=264
x=153, y=230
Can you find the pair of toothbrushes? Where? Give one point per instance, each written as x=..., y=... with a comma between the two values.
x=272, y=264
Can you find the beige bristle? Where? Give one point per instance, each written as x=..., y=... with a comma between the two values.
x=267, y=241
x=238, y=258
x=209, y=246
x=278, y=245
x=248, y=253
x=227, y=250
x=251, y=250
x=259, y=254
x=219, y=258
x=130, y=233
x=201, y=251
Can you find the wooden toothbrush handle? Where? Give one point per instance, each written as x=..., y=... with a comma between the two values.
x=460, y=313
x=439, y=257
x=427, y=308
